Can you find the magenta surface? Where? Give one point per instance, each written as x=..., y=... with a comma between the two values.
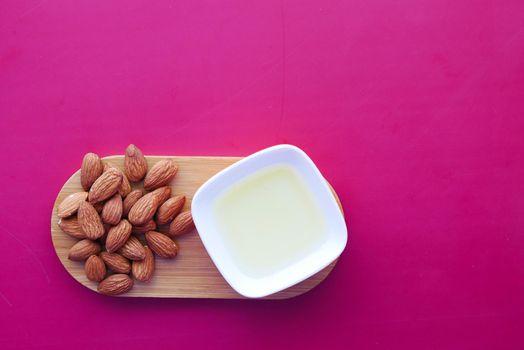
x=414, y=111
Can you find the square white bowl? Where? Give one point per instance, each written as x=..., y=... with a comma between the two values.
x=307, y=266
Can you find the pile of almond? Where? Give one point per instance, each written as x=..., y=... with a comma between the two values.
x=118, y=228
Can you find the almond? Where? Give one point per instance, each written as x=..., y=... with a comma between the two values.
x=160, y=174
x=105, y=186
x=162, y=194
x=83, y=249
x=115, y=284
x=125, y=186
x=116, y=262
x=71, y=227
x=95, y=269
x=162, y=245
x=144, y=209
x=183, y=223
x=131, y=199
x=70, y=204
x=148, y=226
x=91, y=169
x=118, y=236
x=90, y=222
x=171, y=208
x=133, y=249
x=135, y=165
x=143, y=270
x=112, y=212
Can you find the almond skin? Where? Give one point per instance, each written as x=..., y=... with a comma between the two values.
x=148, y=226
x=115, y=285
x=162, y=245
x=116, y=262
x=160, y=174
x=83, y=249
x=143, y=270
x=183, y=223
x=162, y=193
x=89, y=221
x=91, y=169
x=144, y=209
x=171, y=208
x=70, y=204
x=118, y=236
x=95, y=269
x=71, y=227
x=112, y=211
x=135, y=165
x=105, y=186
x=133, y=249
x=130, y=200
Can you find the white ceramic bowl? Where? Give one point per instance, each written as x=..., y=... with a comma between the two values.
x=307, y=266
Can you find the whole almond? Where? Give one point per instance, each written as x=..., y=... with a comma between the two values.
x=105, y=186
x=183, y=223
x=162, y=193
x=160, y=174
x=112, y=212
x=118, y=236
x=91, y=169
x=95, y=269
x=162, y=245
x=144, y=209
x=70, y=204
x=135, y=165
x=83, y=249
x=148, y=226
x=116, y=262
x=71, y=227
x=89, y=221
x=171, y=208
x=133, y=249
x=115, y=284
x=143, y=269
x=130, y=200
x=125, y=186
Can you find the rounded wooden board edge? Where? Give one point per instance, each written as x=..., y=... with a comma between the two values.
x=288, y=293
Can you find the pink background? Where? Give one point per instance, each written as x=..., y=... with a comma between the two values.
x=414, y=110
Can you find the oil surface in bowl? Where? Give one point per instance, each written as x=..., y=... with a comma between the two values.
x=269, y=220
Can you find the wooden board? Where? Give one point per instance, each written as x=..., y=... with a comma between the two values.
x=191, y=274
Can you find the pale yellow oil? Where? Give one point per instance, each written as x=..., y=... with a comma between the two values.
x=269, y=220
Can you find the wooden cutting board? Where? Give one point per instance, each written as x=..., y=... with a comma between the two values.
x=191, y=274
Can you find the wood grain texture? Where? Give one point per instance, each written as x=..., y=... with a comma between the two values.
x=191, y=274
